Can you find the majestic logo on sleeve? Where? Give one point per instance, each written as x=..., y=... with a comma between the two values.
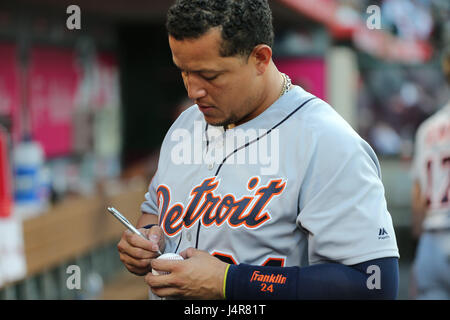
x=218, y=209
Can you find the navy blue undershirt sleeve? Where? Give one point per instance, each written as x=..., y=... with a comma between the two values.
x=374, y=279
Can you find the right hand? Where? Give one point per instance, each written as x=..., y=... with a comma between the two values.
x=136, y=253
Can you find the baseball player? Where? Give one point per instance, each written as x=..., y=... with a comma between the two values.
x=431, y=203
x=264, y=190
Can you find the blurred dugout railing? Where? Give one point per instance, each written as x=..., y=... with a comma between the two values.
x=80, y=232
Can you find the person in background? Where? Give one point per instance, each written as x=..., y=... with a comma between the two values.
x=431, y=203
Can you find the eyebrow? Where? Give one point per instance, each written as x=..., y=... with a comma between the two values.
x=200, y=70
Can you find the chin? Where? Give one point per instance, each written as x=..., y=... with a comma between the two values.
x=217, y=122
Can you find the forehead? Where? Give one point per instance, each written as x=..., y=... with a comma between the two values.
x=202, y=53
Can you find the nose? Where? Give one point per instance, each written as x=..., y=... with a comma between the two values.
x=193, y=86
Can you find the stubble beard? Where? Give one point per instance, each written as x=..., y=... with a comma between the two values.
x=234, y=119
x=224, y=123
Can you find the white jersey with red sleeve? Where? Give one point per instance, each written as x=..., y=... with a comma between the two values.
x=431, y=167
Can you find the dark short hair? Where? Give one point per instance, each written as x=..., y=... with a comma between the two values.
x=244, y=23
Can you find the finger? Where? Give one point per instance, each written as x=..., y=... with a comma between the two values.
x=143, y=264
x=137, y=271
x=188, y=253
x=165, y=265
x=159, y=281
x=137, y=241
x=165, y=285
x=156, y=236
x=138, y=253
x=135, y=252
x=167, y=292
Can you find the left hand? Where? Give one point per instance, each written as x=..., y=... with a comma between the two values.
x=199, y=276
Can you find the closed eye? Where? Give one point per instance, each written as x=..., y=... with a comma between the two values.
x=203, y=74
x=210, y=78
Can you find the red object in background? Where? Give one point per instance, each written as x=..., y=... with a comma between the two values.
x=392, y=48
x=309, y=73
x=53, y=81
x=379, y=43
x=324, y=12
x=10, y=88
x=5, y=178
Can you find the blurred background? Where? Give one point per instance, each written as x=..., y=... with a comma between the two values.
x=85, y=104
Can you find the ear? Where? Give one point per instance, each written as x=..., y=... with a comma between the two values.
x=261, y=56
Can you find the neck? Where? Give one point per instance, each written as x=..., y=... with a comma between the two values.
x=274, y=85
x=269, y=92
x=271, y=89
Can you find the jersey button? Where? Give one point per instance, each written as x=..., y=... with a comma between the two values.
x=210, y=166
x=188, y=236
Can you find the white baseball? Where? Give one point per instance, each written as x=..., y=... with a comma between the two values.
x=167, y=256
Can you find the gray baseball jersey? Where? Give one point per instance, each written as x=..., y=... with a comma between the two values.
x=294, y=186
x=431, y=167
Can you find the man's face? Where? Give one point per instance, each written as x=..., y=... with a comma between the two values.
x=224, y=88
